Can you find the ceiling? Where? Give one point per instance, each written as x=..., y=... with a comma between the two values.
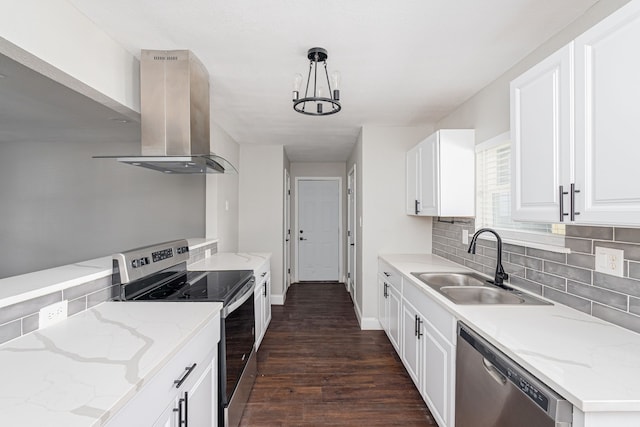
x=403, y=62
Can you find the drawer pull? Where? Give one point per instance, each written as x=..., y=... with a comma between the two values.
x=188, y=370
x=263, y=274
x=386, y=274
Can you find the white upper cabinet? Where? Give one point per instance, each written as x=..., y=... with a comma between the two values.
x=607, y=118
x=441, y=175
x=541, y=137
x=574, y=129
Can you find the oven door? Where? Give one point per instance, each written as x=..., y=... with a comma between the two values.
x=237, y=359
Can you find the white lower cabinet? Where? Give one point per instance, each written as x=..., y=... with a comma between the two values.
x=426, y=334
x=262, y=300
x=195, y=404
x=183, y=392
x=438, y=377
x=389, y=314
x=412, y=353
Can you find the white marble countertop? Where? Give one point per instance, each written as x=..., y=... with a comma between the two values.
x=231, y=261
x=592, y=363
x=82, y=370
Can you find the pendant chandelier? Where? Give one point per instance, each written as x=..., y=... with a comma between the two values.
x=320, y=99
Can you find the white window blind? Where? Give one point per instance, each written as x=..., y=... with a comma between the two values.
x=493, y=192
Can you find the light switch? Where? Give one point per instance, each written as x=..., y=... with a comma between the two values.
x=610, y=261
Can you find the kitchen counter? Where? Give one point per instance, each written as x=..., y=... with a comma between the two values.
x=80, y=371
x=231, y=261
x=592, y=363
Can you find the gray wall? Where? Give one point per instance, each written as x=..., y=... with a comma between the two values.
x=60, y=206
x=569, y=279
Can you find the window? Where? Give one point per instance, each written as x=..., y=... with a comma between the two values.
x=493, y=196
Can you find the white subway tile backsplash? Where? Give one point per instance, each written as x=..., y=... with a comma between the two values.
x=568, y=279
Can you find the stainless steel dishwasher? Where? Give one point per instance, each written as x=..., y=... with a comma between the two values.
x=494, y=391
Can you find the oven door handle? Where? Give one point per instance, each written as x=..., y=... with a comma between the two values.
x=248, y=294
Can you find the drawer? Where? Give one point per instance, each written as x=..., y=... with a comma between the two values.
x=441, y=320
x=390, y=274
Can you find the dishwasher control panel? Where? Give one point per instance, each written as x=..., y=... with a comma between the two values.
x=526, y=387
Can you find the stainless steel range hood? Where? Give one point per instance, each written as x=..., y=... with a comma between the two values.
x=174, y=100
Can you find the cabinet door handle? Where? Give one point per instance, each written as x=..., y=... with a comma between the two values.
x=417, y=206
x=561, y=201
x=572, y=199
x=186, y=409
x=419, y=326
x=415, y=326
x=264, y=288
x=181, y=419
x=188, y=370
x=384, y=292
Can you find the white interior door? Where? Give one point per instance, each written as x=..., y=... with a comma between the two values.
x=318, y=229
x=351, y=232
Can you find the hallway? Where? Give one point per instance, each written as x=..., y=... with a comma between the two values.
x=317, y=368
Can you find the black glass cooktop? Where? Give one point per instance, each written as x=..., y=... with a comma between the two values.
x=220, y=286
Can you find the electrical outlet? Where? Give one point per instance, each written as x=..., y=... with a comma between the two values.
x=610, y=261
x=53, y=313
x=465, y=237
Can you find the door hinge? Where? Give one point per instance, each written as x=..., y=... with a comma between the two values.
x=349, y=233
x=349, y=191
x=288, y=271
x=288, y=192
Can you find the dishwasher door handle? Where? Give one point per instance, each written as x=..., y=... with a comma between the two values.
x=495, y=374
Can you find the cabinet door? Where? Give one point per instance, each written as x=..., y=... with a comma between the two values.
x=541, y=137
x=410, y=342
x=202, y=398
x=267, y=303
x=607, y=132
x=259, y=313
x=382, y=305
x=413, y=181
x=429, y=176
x=394, y=299
x=438, y=377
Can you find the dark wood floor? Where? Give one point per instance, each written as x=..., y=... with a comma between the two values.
x=317, y=368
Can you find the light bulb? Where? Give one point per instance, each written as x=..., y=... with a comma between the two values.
x=335, y=80
x=297, y=81
x=320, y=92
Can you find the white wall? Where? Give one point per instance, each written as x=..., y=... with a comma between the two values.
x=488, y=111
x=261, y=213
x=222, y=203
x=381, y=175
x=319, y=169
x=55, y=39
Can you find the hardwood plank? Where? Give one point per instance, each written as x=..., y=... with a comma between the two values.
x=317, y=368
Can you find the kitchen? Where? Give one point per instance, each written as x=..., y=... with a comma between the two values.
x=235, y=209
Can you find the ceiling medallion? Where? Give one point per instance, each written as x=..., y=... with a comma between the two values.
x=321, y=105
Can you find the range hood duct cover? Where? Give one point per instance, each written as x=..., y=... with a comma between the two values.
x=175, y=112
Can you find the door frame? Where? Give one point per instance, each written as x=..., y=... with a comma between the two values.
x=296, y=233
x=286, y=238
x=352, y=206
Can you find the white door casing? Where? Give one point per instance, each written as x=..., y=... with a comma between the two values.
x=287, y=231
x=351, y=232
x=318, y=219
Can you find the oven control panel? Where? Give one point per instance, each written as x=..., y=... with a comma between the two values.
x=162, y=254
x=141, y=262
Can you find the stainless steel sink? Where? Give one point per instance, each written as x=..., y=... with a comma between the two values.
x=474, y=289
x=479, y=295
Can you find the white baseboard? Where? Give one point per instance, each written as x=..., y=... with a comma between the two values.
x=278, y=299
x=370, y=324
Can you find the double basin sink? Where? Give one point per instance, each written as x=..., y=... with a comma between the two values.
x=473, y=289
